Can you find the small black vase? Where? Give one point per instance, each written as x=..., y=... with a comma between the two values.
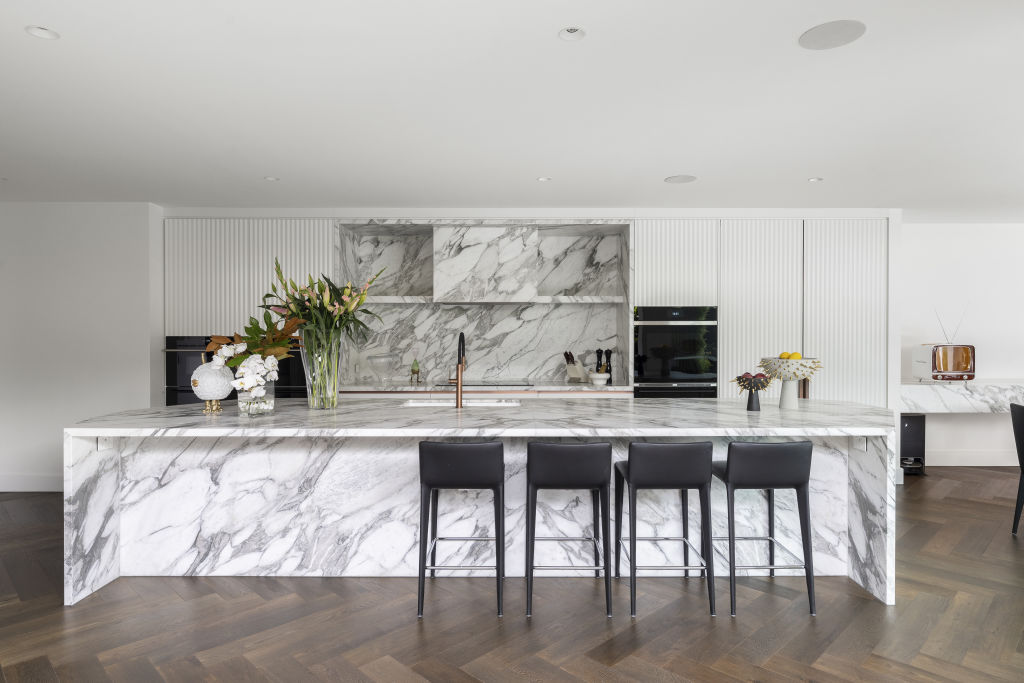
x=753, y=402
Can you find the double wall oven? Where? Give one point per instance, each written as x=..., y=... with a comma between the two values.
x=675, y=352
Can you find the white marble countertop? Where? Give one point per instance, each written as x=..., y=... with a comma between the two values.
x=973, y=396
x=540, y=417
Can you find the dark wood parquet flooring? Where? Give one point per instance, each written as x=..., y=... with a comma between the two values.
x=959, y=616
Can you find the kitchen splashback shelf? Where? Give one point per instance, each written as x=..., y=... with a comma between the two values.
x=560, y=299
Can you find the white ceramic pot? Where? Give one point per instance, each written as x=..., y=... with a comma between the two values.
x=599, y=378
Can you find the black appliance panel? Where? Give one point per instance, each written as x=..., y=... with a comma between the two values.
x=675, y=313
x=676, y=351
x=666, y=391
x=184, y=354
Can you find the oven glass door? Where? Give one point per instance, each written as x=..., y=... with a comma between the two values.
x=676, y=352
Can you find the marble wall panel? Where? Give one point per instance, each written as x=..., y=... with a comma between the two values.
x=485, y=264
x=350, y=507
x=502, y=340
x=579, y=265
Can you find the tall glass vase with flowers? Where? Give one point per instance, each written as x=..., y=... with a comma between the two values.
x=325, y=313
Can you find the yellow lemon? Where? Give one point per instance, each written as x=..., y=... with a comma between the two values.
x=785, y=354
x=795, y=356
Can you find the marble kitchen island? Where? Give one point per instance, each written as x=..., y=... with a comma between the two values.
x=173, y=492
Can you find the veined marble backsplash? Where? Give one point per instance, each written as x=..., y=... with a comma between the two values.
x=503, y=341
x=473, y=262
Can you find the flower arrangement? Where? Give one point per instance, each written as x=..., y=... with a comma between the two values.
x=322, y=312
x=252, y=373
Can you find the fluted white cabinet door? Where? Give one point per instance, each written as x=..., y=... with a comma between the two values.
x=675, y=262
x=760, y=309
x=845, y=308
x=218, y=269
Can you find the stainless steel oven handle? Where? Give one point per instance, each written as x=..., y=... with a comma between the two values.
x=655, y=323
x=665, y=385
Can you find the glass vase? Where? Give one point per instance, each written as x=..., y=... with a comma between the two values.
x=321, y=360
x=252, y=405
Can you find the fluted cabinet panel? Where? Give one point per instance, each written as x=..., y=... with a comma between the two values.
x=845, y=302
x=760, y=308
x=218, y=269
x=675, y=262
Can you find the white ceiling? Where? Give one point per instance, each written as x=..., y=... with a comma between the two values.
x=464, y=103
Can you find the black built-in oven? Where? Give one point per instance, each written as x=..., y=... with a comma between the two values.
x=184, y=354
x=675, y=351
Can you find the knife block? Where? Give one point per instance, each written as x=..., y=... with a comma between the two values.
x=576, y=372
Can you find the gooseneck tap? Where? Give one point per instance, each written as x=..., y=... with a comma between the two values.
x=460, y=367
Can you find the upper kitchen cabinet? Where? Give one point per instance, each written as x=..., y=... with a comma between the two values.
x=675, y=262
x=845, y=308
x=760, y=309
x=218, y=269
x=485, y=264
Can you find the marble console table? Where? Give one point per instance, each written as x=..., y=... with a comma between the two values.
x=172, y=492
x=975, y=396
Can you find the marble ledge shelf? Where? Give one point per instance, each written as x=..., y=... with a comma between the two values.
x=539, y=299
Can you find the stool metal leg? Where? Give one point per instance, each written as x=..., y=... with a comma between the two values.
x=619, y=491
x=805, y=533
x=686, y=530
x=606, y=524
x=705, y=542
x=1020, y=503
x=632, y=551
x=499, y=543
x=731, y=496
x=597, y=535
x=531, y=533
x=424, y=535
x=771, y=530
x=434, y=495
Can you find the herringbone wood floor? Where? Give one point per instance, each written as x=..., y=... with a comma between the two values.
x=960, y=615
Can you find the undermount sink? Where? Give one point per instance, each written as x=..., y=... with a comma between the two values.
x=466, y=403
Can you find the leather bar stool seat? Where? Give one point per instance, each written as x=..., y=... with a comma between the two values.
x=674, y=466
x=768, y=466
x=474, y=466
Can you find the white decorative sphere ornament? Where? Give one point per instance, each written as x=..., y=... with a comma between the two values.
x=211, y=382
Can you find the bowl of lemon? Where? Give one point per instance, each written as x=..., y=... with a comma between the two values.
x=790, y=367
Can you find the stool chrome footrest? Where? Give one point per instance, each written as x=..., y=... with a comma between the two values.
x=771, y=539
x=590, y=568
x=624, y=542
x=456, y=567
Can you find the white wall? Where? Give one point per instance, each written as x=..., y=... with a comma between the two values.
x=974, y=271
x=82, y=289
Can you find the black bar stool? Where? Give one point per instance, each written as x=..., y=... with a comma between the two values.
x=459, y=466
x=676, y=466
x=768, y=466
x=1017, y=415
x=569, y=466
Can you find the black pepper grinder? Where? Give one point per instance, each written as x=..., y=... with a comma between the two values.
x=597, y=368
x=608, y=361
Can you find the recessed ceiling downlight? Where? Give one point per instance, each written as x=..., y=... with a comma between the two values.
x=42, y=32
x=572, y=33
x=832, y=34
x=680, y=179
x=544, y=179
x=271, y=178
x=816, y=179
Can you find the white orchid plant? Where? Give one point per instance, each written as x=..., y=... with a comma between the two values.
x=253, y=373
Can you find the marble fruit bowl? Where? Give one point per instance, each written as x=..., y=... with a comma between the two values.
x=789, y=370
